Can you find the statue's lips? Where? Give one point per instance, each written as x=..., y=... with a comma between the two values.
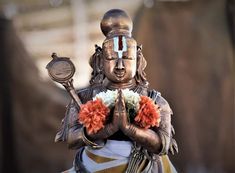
x=120, y=73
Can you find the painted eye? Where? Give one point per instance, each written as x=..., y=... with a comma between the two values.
x=110, y=58
x=126, y=57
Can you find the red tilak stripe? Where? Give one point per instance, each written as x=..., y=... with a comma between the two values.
x=120, y=44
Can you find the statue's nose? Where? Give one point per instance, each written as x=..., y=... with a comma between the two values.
x=120, y=65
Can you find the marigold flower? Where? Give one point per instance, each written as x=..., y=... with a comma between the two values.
x=148, y=114
x=93, y=115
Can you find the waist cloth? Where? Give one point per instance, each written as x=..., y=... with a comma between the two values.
x=113, y=158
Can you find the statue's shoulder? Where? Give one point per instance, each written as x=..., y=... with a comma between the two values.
x=87, y=93
x=160, y=100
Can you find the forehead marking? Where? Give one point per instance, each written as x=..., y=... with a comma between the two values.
x=120, y=45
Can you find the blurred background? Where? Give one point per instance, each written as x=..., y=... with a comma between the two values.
x=189, y=47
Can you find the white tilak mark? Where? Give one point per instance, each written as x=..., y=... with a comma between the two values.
x=116, y=46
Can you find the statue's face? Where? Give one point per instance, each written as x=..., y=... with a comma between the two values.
x=119, y=59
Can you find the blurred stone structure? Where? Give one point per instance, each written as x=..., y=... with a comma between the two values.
x=70, y=28
x=190, y=52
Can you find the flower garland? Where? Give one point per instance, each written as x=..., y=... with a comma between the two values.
x=93, y=115
x=141, y=110
x=148, y=114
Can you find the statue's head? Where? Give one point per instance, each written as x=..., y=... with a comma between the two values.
x=121, y=60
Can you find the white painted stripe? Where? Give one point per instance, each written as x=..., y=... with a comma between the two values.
x=116, y=46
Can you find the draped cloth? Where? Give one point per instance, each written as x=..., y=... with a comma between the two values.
x=114, y=157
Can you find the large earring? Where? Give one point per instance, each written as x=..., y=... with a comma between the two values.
x=141, y=64
x=96, y=63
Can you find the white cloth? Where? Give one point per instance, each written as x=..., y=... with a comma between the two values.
x=118, y=150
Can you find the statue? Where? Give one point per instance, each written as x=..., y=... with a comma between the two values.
x=117, y=124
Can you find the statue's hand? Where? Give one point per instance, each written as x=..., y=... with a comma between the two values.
x=110, y=128
x=116, y=115
x=144, y=137
x=123, y=120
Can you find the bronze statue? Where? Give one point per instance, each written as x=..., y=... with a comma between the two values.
x=113, y=135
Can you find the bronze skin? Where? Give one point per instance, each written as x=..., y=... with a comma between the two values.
x=120, y=66
x=120, y=62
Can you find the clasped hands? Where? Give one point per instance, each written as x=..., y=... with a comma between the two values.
x=147, y=138
x=119, y=121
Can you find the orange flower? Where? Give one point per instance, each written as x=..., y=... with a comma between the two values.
x=148, y=114
x=93, y=115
